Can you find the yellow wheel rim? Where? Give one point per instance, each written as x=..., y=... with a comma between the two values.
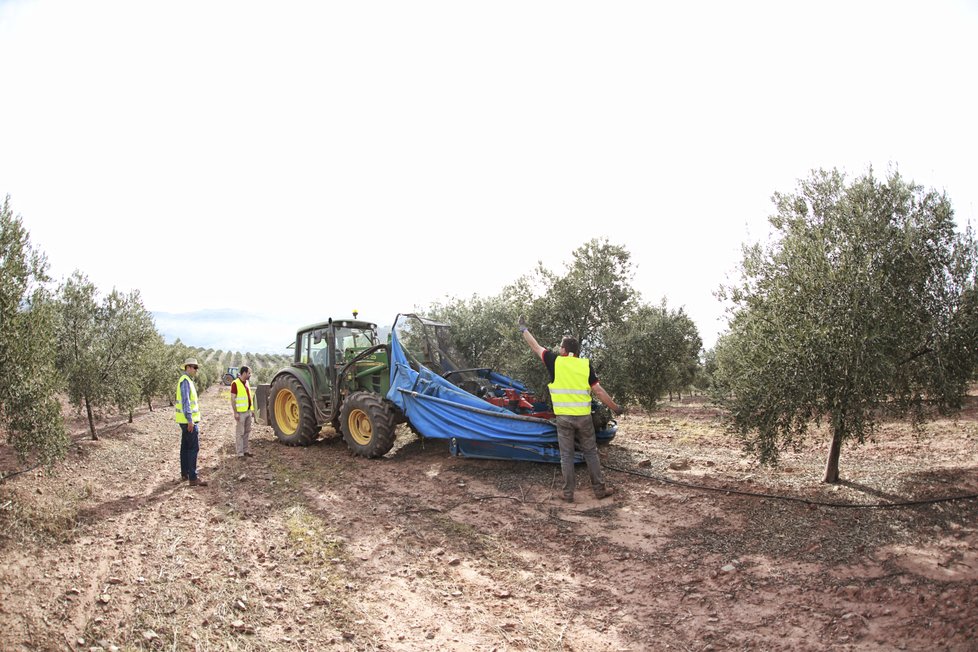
x=360, y=427
x=287, y=412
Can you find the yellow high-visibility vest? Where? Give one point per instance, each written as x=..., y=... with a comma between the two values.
x=241, y=397
x=570, y=393
x=194, y=405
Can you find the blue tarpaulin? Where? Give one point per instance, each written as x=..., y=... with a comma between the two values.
x=475, y=428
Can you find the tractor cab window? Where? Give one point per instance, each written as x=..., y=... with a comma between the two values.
x=351, y=341
x=314, y=347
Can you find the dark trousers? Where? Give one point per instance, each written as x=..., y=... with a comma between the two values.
x=189, y=446
x=580, y=431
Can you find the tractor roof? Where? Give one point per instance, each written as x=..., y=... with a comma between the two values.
x=340, y=323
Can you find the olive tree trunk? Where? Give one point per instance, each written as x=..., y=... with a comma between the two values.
x=832, y=463
x=91, y=419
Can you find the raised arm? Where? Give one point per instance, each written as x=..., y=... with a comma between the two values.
x=529, y=339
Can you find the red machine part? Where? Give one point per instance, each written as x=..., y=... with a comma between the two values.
x=519, y=402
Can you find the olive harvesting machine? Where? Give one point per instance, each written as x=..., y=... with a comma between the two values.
x=343, y=376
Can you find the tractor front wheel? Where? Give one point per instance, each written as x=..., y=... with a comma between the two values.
x=368, y=424
x=292, y=415
x=228, y=379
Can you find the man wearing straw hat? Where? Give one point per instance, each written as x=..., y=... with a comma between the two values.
x=187, y=414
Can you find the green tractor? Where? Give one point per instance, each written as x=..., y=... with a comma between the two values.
x=229, y=376
x=339, y=377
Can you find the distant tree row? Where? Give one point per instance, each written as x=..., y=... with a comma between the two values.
x=111, y=357
x=228, y=359
x=102, y=351
x=214, y=364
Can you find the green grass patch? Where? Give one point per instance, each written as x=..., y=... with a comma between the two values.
x=306, y=532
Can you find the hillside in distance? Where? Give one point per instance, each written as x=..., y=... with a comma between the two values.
x=227, y=330
x=224, y=359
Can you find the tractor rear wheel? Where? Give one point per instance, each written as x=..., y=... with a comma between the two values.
x=292, y=415
x=367, y=423
x=228, y=379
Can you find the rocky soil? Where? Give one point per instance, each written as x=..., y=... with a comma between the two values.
x=312, y=549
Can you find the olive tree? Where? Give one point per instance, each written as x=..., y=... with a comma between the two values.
x=29, y=408
x=481, y=328
x=684, y=347
x=209, y=374
x=595, y=292
x=655, y=351
x=175, y=355
x=703, y=380
x=861, y=305
x=592, y=294
x=102, y=342
x=264, y=375
x=155, y=368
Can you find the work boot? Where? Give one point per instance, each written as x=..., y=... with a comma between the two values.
x=184, y=477
x=603, y=491
x=197, y=482
x=568, y=497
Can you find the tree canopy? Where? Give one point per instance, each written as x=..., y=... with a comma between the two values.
x=863, y=304
x=640, y=352
x=594, y=293
x=29, y=409
x=103, y=343
x=654, y=352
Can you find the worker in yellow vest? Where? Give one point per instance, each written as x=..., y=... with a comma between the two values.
x=243, y=409
x=187, y=414
x=571, y=382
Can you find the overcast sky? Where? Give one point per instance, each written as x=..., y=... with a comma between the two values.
x=297, y=160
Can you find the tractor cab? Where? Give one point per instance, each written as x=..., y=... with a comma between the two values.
x=333, y=354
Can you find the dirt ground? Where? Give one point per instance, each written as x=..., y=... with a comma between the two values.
x=312, y=549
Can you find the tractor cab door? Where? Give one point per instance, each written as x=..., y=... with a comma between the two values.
x=314, y=346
